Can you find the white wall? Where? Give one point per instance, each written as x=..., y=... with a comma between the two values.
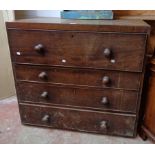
x=6, y=76
x=47, y=13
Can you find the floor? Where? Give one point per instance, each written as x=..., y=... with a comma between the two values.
x=11, y=131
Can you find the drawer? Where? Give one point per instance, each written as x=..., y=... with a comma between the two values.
x=99, y=99
x=114, y=51
x=85, y=77
x=78, y=120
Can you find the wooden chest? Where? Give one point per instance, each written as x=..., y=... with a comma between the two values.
x=79, y=75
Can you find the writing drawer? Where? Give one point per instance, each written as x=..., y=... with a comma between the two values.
x=114, y=51
x=100, y=99
x=78, y=120
x=72, y=76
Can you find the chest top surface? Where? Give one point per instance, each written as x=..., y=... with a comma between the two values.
x=124, y=26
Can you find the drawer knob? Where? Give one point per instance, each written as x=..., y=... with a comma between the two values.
x=39, y=48
x=46, y=118
x=106, y=80
x=105, y=101
x=44, y=94
x=107, y=53
x=103, y=125
x=42, y=75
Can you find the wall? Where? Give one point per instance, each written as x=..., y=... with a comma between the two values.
x=6, y=77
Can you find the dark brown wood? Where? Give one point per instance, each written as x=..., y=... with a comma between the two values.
x=148, y=125
x=43, y=75
x=107, y=53
x=39, y=49
x=105, y=101
x=78, y=97
x=79, y=120
x=131, y=26
x=44, y=95
x=79, y=75
x=76, y=76
x=46, y=118
x=79, y=49
x=135, y=14
x=145, y=133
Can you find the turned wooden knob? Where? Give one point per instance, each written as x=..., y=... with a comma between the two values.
x=107, y=53
x=42, y=75
x=44, y=94
x=105, y=101
x=46, y=118
x=106, y=80
x=103, y=125
x=39, y=48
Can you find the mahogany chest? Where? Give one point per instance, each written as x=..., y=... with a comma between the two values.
x=82, y=75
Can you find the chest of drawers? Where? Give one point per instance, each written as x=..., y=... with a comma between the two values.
x=79, y=75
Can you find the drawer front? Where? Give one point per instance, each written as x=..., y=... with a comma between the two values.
x=107, y=99
x=85, y=77
x=78, y=120
x=78, y=49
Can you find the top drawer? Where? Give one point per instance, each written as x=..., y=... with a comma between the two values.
x=78, y=49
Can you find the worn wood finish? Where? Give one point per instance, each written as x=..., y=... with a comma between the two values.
x=124, y=26
x=135, y=14
x=79, y=120
x=147, y=128
x=148, y=125
x=79, y=49
x=62, y=69
x=74, y=76
x=130, y=13
x=118, y=100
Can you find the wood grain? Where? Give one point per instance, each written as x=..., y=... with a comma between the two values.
x=119, y=100
x=148, y=124
x=76, y=76
x=134, y=26
x=79, y=49
x=78, y=120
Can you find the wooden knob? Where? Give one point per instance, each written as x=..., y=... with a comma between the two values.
x=105, y=101
x=46, y=118
x=106, y=80
x=107, y=53
x=103, y=125
x=44, y=94
x=42, y=75
x=39, y=48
